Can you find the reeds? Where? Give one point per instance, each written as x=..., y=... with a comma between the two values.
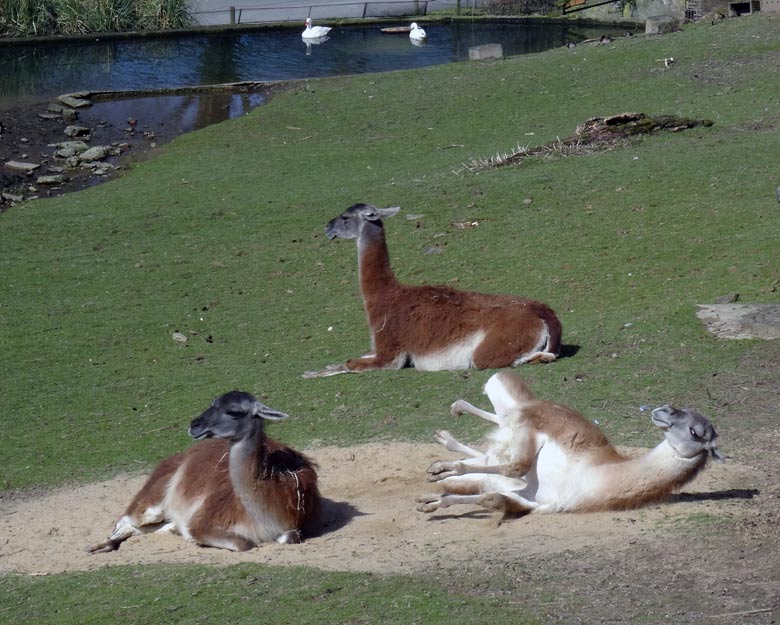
x=23, y=18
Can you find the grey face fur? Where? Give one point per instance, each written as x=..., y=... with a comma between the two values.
x=348, y=224
x=232, y=416
x=687, y=431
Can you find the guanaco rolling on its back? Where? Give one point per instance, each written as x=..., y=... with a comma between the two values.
x=545, y=457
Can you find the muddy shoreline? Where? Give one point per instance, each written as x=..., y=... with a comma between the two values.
x=131, y=124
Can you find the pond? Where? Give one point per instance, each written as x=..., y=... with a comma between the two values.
x=32, y=75
x=44, y=71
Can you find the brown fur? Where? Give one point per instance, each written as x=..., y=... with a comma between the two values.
x=285, y=482
x=426, y=319
x=279, y=475
x=154, y=488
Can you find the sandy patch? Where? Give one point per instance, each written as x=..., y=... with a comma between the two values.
x=370, y=521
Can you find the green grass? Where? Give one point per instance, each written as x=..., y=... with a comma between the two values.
x=240, y=594
x=220, y=238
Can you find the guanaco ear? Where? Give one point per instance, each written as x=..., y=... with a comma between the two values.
x=265, y=412
x=388, y=212
x=372, y=213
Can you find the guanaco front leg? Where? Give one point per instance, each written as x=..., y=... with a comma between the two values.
x=461, y=406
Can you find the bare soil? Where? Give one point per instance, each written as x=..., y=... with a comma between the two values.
x=710, y=554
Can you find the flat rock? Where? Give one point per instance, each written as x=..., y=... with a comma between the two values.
x=55, y=179
x=20, y=166
x=10, y=197
x=74, y=101
x=741, y=321
x=50, y=115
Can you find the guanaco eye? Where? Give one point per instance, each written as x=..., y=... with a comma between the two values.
x=234, y=414
x=693, y=433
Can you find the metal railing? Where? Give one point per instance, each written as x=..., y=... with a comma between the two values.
x=299, y=12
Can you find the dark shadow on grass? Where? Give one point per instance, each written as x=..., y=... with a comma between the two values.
x=719, y=495
x=567, y=351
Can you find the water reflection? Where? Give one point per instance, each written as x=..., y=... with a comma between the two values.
x=168, y=116
x=43, y=71
x=313, y=41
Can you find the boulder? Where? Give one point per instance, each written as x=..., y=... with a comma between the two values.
x=95, y=153
x=68, y=149
x=76, y=131
x=661, y=24
x=74, y=100
x=79, y=146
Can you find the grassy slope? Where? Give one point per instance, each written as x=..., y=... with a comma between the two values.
x=241, y=594
x=220, y=238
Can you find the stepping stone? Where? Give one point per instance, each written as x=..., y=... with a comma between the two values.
x=19, y=166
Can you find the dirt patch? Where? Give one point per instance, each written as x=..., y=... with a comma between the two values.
x=719, y=533
x=597, y=134
x=732, y=72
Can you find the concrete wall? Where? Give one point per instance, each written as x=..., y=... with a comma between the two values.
x=639, y=10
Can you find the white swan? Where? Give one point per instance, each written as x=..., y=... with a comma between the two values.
x=314, y=32
x=417, y=33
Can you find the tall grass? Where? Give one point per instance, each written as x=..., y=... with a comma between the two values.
x=23, y=18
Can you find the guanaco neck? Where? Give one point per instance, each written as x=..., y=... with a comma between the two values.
x=649, y=477
x=374, y=259
x=247, y=462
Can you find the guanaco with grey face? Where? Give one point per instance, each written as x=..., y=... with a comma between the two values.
x=434, y=328
x=234, y=491
x=545, y=457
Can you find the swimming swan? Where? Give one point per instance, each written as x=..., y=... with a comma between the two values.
x=314, y=32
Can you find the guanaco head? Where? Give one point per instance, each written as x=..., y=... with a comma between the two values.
x=232, y=416
x=349, y=223
x=688, y=432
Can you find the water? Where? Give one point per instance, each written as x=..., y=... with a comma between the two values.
x=44, y=71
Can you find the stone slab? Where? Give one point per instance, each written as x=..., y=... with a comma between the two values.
x=741, y=321
x=486, y=51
